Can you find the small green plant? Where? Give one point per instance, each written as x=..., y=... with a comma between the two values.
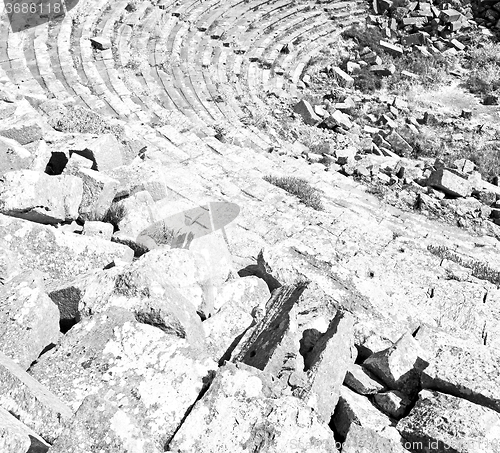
x=298, y=187
x=115, y=215
x=479, y=269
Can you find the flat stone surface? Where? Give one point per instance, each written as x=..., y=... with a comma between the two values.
x=30, y=402
x=29, y=320
x=441, y=422
x=13, y=156
x=105, y=152
x=60, y=256
x=38, y=197
x=243, y=411
x=365, y=440
x=152, y=376
x=362, y=381
x=449, y=183
x=461, y=368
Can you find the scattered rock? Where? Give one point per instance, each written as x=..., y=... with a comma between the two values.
x=18, y=438
x=306, y=111
x=393, y=403
x=362, y=381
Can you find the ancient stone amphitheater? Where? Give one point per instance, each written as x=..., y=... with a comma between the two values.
x=284, y=329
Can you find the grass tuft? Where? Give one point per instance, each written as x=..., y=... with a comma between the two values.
x=298, y=187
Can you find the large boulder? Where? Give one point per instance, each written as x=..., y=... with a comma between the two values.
x=441, y=422
x=30, y=402
x=243, y=411
x=104, y=151
x=29, y=320
x=60, y=256
x=461, y=368
x=450, y=183
x=38, y=197
x=153, y=377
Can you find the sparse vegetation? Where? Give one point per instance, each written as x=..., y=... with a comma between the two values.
x=79, y=119
x=479, y=269
x=115, y=215
x=483, y=63
x=298, y=187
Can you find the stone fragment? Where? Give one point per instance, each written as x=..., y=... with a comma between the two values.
x=60, y=256
x=151, y=376
x=393, y=403
x=464, y=166
x=338, y=118
x=99, y=191
x=449, y=15
x=383, y=70
x=247, y=293
x=243, y=411
x=461, y=368
x=399, y=366
x=100, y=43
x=105, y=152
x=365, y=440
x=343, y=79
x=39, y=197
x=392, y=49
x=18, y=438
x=30, y=402
x=29, y=320
x=398, y=143
x=357, y=409
x=101, y=230
x=306, y=111
x=362, y=381
x=13, y=156
x=441, y=422
x=450, y=183
x=458, y=45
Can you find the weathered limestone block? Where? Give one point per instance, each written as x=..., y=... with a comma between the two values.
x=9, y=264
x=61, y=257
x=13, y=156
x=133, y=215
x=99, y=425
x=365, y=440
x=398, y=143
x=399, y=366
x=243, y=411
x=75, y=164
x=24, y=129
x=362, y=381
x=306, y=111
x=356, y=409
x=326, y=366
x=393, y=403
x=450, y=183
x=143, y=288
x=29, y=320
x=152, y=376
x=272, y=345
x=38, y=197
x=461, y=368
x=18, y=438
x=441, y=422
x=237, y=303
x=105, y=152
x=343, y=79
x=30, y=402
x=99, y=191
x=101, y=230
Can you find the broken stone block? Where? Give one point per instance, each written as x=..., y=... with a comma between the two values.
x=449, y=15
x=398, y=143
x=15, y=437
x=75, y=164
x=393, y=403
x=339, y=118
x=23, y=129
x=13, y=156
x=136, y=366
x=457, y=44
x=100, y=43
x=324, y=382
x=30, y=402
x=105, y=152
x=450, y=183
x=343, y=79
x=29, y=320
x=365, y=440
x=244, y=411
x=272, y=345
x=305, y=110
x=101, y=230
x=436, y=419
x=99, y=191
x=400, y=366
x=383, y=70
x=345, y=155
x=362, y=381
x=391, y=49
x=464, y=166
x=60, y=256
x=475, y=372
x=41, y=198
x=99, y=425
x=357, y=409
x=414, y=39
